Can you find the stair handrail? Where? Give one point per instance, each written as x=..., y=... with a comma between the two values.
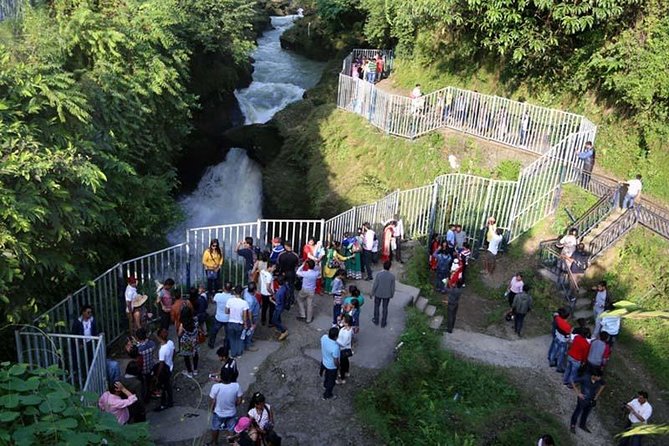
x=595, y=214
x=614, y=232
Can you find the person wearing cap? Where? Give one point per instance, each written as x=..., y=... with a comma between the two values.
x=246, y=433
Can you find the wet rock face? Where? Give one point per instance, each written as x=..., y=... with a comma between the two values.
x=279, y=7
x=262, y=141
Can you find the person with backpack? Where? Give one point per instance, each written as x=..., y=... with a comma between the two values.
x=287, y=263
x=261, y=414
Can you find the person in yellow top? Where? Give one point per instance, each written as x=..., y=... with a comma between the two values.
x=212, y=260
x=333, y=262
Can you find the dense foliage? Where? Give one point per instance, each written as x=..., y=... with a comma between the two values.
x=95, y=103
x=603, y=58
x=38, y=408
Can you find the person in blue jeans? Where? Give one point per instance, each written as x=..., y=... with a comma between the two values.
x=222, y=317
x=279, y=301
x=330, y=361
x=587, y=388
x=254, y=313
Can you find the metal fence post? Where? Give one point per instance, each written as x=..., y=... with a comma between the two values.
x=19, y=346
x=433, y=209
x=322, y=229
x=188, y=278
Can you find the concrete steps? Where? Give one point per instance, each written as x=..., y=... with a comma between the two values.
x=602, y=225
x=423, y=305
x=584, y=313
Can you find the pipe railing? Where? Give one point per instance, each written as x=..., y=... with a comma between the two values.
x=75, y=355
x=611, y=234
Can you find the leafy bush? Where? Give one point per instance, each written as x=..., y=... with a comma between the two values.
x=38, y=408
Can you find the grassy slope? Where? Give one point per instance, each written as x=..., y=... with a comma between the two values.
x=451, y=402
x=617, y=144
x=344, y=161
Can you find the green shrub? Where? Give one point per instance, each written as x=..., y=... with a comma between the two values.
x=36, y=407
x=428, y=397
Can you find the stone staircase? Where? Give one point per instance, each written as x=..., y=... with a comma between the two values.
x=601, y=226
x=423, y=305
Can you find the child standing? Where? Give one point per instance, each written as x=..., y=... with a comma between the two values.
x=337, y=291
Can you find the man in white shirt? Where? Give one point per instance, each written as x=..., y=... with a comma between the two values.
x=633, y=190
x=568, y=243
x=237, y=310
x=398, y=236
x=221, y=319
x=225, y=397
x=367, y=245
x=601, y=301
x=164, y=369
x=640, y=411
x=266, y=291
x=489, y=258
x=309, y=272
x=130, y=295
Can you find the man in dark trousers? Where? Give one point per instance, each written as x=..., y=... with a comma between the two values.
x=330, y=361
x=287, y=264
x=383, y=290
x=588, y=388
x=453, y=292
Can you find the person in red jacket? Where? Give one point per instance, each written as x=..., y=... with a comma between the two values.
x=561, y=335
x=577, y=354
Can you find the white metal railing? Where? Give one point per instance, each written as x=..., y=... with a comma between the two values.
x=296, y=232
x=96, y=380
x=555, y=135
x=74, y=354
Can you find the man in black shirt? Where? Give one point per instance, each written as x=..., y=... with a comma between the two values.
x=287, y=264
x=245, y=249
x=587, y=388
x=453, y=292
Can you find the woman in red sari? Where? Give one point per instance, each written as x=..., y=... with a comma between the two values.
x=388, y=233
x=309, y=250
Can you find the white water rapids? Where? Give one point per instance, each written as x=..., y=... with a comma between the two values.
x=231, y=192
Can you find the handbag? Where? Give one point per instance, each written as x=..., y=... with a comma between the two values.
x=212, y=275
x=201, y=337
x=346, y=352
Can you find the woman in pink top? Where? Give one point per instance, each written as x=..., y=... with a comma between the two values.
x=111, y=402
x=515, y=287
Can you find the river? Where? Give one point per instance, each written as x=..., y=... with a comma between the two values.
x=231, y=192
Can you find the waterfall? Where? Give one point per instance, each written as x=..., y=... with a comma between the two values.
x=231, y=192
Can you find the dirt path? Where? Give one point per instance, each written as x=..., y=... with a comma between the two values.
x=526, y=359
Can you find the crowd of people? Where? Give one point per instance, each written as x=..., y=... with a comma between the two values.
x=276, y=279
x=578, y=353
x=370, y=69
